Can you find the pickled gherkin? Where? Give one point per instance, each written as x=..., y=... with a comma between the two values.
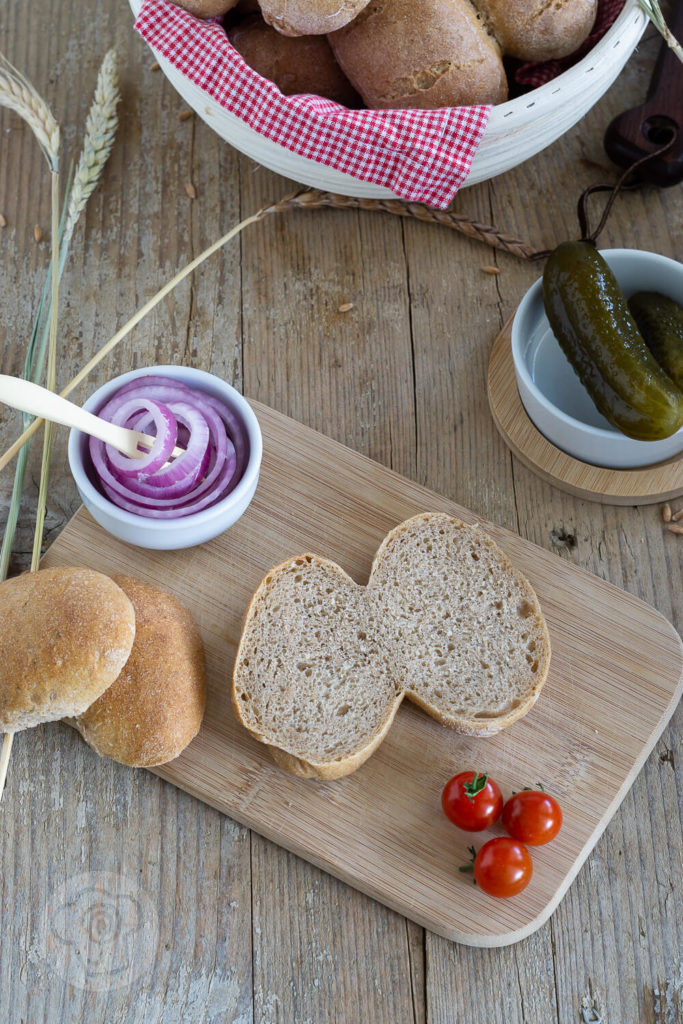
x=591, y=320
x=660, y=321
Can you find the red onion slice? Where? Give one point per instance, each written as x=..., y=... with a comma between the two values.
x=215, y=441
x=166, y=434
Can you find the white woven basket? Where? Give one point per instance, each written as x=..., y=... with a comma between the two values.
x=516, y=130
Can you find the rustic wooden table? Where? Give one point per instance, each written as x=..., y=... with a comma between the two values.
x=240, y=929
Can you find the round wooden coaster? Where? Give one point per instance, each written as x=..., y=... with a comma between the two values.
x=643, y=486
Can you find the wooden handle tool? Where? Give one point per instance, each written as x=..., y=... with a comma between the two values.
x=658, y=121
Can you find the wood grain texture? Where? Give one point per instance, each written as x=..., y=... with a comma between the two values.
x=409, y=392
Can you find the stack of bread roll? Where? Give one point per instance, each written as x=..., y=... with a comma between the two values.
x=119, y=659
x=399, y=53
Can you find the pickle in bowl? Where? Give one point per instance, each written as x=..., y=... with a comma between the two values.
x=660, y=321
x=590, y=318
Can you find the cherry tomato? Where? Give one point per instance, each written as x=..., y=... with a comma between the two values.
x=472, y=801
x=532, y=816
x=503, y=867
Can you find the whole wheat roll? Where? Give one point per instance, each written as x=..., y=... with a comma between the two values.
x=66, y=634
x=422, y=54
x=296, y=64
x=537, y=30
x=206, y=8
x=309, y=17
x=155, y=707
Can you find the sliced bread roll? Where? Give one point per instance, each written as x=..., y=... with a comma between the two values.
x=311, y=679
x=155, y=707
x=445, y=620
x=66, y=634
x=474, y=646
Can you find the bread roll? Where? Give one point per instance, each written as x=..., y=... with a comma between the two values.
x=155, y=706
x=66, y=634
x=536, y=30
x=296, y=64
x=206, y=8
x=309, y=17
x=420, y=53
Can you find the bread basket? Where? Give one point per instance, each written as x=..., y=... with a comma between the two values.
x=516, y=130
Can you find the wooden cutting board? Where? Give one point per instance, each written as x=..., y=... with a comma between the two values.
x=615, y=679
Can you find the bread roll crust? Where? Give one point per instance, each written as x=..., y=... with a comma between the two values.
x=309, y=17
x=539, y=30
x=206, y=8
x=420, y=54
x=155, y=707
x=296, y=64
x=66, y=634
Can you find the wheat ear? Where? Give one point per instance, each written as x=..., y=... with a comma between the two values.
x=654, y=13
x=100, y=129
x=17, y=93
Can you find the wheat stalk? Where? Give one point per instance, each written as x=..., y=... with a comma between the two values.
x=654, y=13
x=19, y=95
x=312, y=198
x=308, y=199
x=100, y=129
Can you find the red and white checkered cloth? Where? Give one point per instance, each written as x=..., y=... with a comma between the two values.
x=421, y=155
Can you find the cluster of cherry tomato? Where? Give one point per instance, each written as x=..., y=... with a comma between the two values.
x=503, y=866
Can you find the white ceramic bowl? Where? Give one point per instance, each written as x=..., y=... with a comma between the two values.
x=516, y=130
x=554, y=398
x=185, y=532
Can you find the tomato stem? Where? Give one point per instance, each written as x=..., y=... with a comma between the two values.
x=475, y=786
x=469, y=867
